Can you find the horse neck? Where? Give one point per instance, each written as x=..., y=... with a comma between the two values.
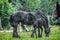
x=58, y=13
x=58, y=9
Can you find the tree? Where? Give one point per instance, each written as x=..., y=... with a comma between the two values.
x=5, y=10
x=0, y=24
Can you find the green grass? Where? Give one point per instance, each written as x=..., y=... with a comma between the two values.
x=54, y=35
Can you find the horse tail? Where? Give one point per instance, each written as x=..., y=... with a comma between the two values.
x=11, y=19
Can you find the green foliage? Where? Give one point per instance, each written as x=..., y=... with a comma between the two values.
x=6, y=8
x=5, y=23
x=46, y=6
x=32, y=5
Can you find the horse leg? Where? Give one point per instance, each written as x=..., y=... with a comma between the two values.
x=39, y=35
x=15, y=33
x=33, y=31
x=23, y=27
x=41, y=31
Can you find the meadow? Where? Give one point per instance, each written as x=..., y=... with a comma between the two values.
x=54, y=35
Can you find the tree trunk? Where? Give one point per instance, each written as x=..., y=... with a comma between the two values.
x=0, y=24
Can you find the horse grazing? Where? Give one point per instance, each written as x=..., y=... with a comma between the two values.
x=38, y=24
x=41, y=20
x=26, y=18
x=56, y=13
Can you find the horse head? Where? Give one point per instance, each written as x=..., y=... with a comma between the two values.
x=56, y=13
x=31, y=17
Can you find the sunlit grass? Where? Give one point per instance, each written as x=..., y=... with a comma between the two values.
x=54, y=35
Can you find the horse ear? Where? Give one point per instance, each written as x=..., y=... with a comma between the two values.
x=31, y=15
x=57, y=4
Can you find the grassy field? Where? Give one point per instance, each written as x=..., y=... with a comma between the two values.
x=54, y=35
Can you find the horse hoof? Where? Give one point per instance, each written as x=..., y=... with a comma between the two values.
x=40, y=36
x=16, y=36
x=32, y=36
x=47, y=36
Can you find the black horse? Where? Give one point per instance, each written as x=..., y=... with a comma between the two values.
x=15, y=19
x=26, y=18
x=56, y=13
x=38, y=23
x=41, y=20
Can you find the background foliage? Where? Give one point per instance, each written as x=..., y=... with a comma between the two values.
x=9, y=6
